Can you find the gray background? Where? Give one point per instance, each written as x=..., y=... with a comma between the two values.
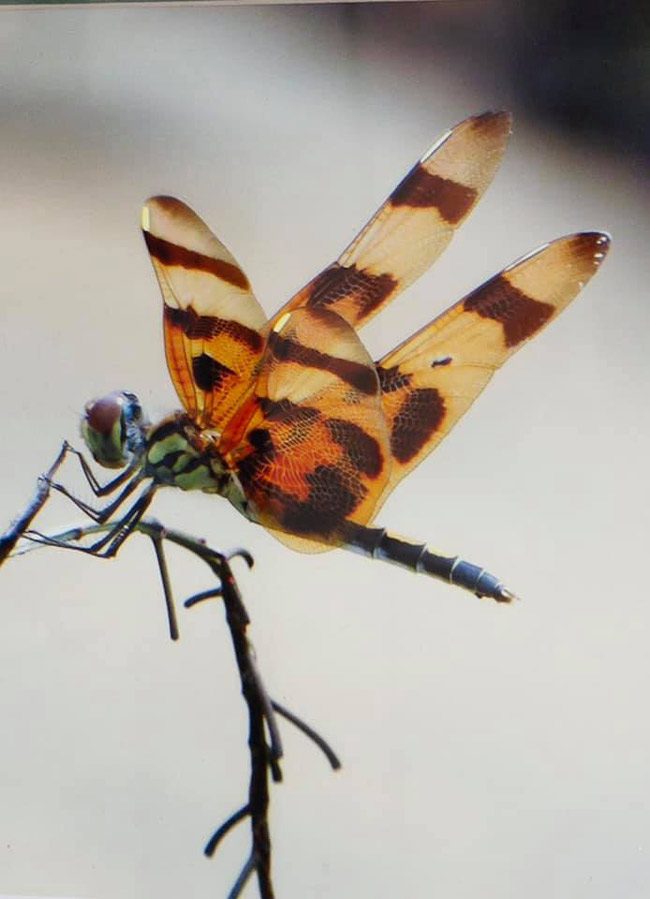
x=487, y=751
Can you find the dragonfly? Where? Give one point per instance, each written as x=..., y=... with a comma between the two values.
x=290, y=419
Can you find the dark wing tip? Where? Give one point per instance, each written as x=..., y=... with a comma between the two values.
x=170, y=207
x=593, y=244
x=492, y=123
x=588, y=249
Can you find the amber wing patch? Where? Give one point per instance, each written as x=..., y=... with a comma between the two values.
x=431, y=379
x=317, y=433
x=414, y=225
x=212, y=322
x=310, y=446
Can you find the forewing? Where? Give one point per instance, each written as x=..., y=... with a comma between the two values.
x=211, y=319
x=310, y=445
x=414, y=225
x=431, y=379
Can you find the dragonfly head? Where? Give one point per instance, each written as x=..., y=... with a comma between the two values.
x=113, y=428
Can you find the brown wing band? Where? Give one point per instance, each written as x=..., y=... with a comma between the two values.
x=206, y=327
x=172, y=254
x=519, y=315
x=422, y=189
x=354, y=373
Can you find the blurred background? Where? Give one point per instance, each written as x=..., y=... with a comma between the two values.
x=487, y=750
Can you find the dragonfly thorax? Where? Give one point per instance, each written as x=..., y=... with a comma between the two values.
x=179, y=454
x=114, y=429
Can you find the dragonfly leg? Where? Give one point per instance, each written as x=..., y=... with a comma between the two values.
x=378, y=543
x=157, y=538
x=99, y=515
x=108, y=545
x=91, y=479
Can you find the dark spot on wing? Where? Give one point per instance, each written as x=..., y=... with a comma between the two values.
x=421, y=189
x=172, y=254
x=356, y=374
x=520, y=316
x=391, y=379
x=287, y=412
x=349, y=283
x=416, y=421
x=491, y=123
x=332, y=497
x=206, y=327
x=262, y=442
x=362, y=450
x=208, y=373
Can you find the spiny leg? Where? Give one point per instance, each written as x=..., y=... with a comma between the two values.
x=108, y=545
x=102, y=515
x=377, y=543
x=157, y=537
x=97, y=488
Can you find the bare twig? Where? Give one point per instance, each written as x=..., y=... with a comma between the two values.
x=18, y=527
x=264, y=741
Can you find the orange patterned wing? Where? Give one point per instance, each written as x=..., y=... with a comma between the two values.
x=212, y=321
x=310, y=445
x=414, y=225
x=430, y=380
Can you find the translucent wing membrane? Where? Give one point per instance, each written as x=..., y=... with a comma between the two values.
x=414, y=225
x=432, y=378
x=310, y=444
x=313, y=431
x=212, y=320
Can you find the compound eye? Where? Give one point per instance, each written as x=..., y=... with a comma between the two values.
x=102, y=415
x=103, y=429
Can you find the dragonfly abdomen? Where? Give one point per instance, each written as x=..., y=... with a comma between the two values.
x=377, y=543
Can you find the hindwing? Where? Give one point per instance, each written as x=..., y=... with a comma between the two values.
x=309, y=444
x=432, y=378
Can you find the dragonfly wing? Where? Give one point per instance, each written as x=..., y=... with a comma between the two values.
x=414, y=225
x=310, y=445
x=212, y=321
x=430, y=380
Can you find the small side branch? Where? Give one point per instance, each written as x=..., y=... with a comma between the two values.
x=244, y=876
x=231, y=822
x=308, y=731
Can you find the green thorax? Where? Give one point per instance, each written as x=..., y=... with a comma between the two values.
x=179, y=455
